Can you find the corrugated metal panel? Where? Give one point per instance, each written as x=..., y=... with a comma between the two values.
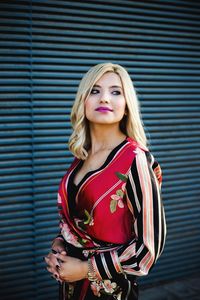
x=16, y=146
x=158, y=43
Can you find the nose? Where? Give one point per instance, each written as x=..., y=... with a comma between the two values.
x=104, y=100
x=104, y=97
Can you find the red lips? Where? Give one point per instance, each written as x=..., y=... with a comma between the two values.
x=103, y=108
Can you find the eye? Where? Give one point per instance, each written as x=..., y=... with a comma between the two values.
x=94, y=91
x=116, y=93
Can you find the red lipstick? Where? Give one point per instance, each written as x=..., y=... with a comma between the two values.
x=103, y=109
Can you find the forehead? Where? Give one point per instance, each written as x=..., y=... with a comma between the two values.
x=109, y=78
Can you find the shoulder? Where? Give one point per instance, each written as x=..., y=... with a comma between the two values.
x=144, y=162
x=142, y=154
x=136, y=146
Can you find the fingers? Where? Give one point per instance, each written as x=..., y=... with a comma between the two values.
x=54, y=275
x=49, y=262
x=59, y=249
x=61, y=256
x=54, y=272
x=53, y=266
x=55, y=251
x=57, y=279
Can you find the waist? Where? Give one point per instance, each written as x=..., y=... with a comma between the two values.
x=88, y=252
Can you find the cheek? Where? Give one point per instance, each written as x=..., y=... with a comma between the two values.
x=120, y=105
x=88, y=106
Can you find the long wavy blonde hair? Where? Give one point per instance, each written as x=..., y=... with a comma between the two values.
x=131, y=124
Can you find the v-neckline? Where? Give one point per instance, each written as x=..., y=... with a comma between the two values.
x=89, y=173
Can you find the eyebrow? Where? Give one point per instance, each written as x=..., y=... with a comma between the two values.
x=112, y=86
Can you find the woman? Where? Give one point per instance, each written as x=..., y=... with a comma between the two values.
x=112, y=219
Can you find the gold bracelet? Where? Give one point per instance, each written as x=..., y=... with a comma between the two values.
x=91, y=275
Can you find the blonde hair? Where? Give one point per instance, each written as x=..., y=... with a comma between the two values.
x=131, y=124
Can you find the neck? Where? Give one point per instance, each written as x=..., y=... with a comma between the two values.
x=104, y=137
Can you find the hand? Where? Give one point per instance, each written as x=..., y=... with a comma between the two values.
x=71, y=269
x=52, y=261
x=58, y=245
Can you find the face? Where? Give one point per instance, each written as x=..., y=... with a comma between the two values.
x=106, y=102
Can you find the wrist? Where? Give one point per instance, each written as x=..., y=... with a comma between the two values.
x=85, y=269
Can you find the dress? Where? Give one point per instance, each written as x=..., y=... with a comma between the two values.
x=115, y=217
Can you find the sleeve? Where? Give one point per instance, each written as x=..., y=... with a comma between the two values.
x=61, y=215
x=143, y=192
x=60, y=212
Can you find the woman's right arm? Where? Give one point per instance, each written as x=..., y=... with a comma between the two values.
x=144, y=199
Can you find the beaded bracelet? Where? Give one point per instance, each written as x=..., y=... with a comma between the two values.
x=91, y=275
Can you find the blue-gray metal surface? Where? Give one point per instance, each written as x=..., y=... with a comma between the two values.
x=45, y=48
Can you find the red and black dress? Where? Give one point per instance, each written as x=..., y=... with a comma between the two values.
x=115, y=217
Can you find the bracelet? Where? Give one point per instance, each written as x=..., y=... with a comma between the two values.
x=91, y=275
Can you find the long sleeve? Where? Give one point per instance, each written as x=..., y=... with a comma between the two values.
x=143, y=193
x=61, y=216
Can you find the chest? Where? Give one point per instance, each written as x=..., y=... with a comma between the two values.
x=92, y=163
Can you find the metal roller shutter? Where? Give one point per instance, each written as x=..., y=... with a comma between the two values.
x=16, y=192
x=46, y=47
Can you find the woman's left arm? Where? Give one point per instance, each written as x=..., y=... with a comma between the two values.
x=144, y=200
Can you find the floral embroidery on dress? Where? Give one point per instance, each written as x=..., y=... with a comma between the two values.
x=117, y=198
x=88, y=218
x=72, y=238
x=109, y=286
x=103, y=287
x=69, y=236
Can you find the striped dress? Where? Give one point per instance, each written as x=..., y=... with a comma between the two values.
x=115, y=218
